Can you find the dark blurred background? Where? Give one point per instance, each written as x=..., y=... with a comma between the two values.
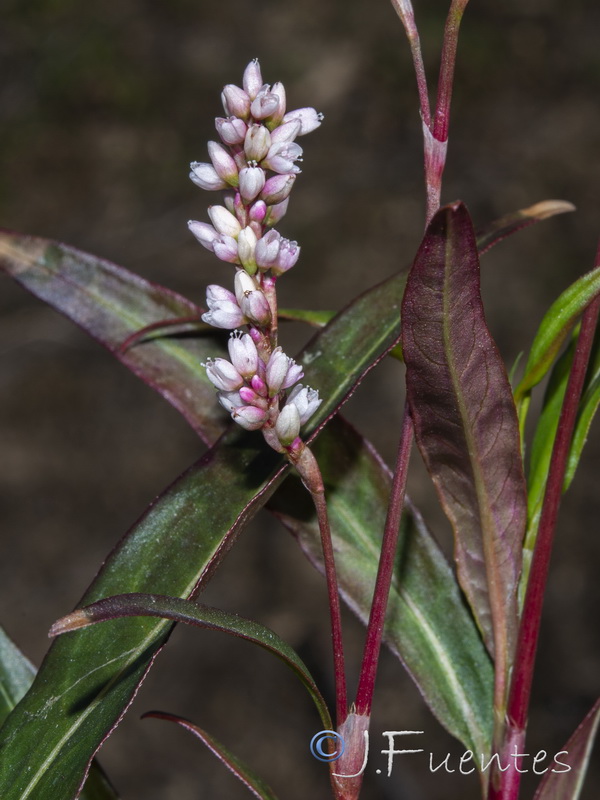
x=102, y=107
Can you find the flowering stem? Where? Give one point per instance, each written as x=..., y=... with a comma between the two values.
x=366, y=683
x=339, y=666
x=308, y=469
x=505, y=786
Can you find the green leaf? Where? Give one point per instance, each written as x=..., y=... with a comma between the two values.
x=587, y=410
x=560, y=783
x=554, y=329
x=252, y=782
x=466, y=423
x=494, y=232
x=112, y=304
x=541, y=455
x=16, y=676
x=318, y=319
x=428, y=625
x=177, y=610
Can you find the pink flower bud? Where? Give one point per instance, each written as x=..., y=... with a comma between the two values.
x=279, y=91
x=277, y=188
x=250, y=398
x=252, y=81
x=251, y=418
x=267, y=249
x=204, y=232
x=224, y=221
x=231, y=130
x=222, y=374
x=277, y=212
x=289, y=253
x=281, y=157
x=286, y=132
x=265, y=103
x=257, y=142
x=235, y=101
x=243, y=285
x=243, y=354
x=225, y=248
x=258, y=211
x=252, y=180
x=230, y=400
x=309, y=119
x=287, y=426
x=259, y=386
x=224, y=311
x=255, y=307
x=306, y=400
x=223, y=163
x=205, y=176
x=246, y=242
x=278, y=367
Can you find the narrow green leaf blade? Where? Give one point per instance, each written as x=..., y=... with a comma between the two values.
x=428, y=625
x=177, y=609
x=588, y=407
x=465, y=422
x=564, y=784
x=555, y=327
x=16, y=676
x=250, y=780
x=318, y=319
x=111, y=304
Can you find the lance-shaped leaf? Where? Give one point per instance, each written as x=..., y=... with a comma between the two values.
x=465, y=422
x=428, y=624
x=250, y=780
x=16, y=676
x=111, y=304
x=588, y=406
x=494, y=232
x=541, y=455
x=555, y=327
x=176, y=609
x=565, y=782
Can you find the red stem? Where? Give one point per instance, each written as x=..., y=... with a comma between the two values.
x=341, y=701
x=507, y=784
x=366, y=683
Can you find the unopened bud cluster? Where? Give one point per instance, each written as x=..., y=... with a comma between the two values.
x=256, y=163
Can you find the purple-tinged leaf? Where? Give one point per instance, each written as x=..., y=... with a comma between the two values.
x=112, y=304
x=565, y=784
x=466, y=423
x=176, y=609
x=499, y=229
x=252, y=782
